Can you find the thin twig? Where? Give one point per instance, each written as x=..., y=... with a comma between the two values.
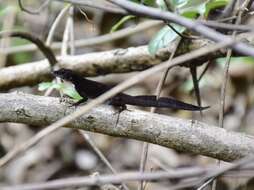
x=228, y=10
x=117, y=35
x=100, y=154
x=66, y=35
x=55, y=24
x=226, y=76
x=143, y=162
x=97, y=151
x=216, y=173
x=8, y=22
x=137, y=9
x=102, y=5
x=196, y=175
x=50, y=38
x=227, y=26
x=71, y=31
x=204, y=185
x=85, y=15
x=86, y=136
x=43, y=48
x=204, y=71
x=91, y=41
x=33, y=12
x=107, y=179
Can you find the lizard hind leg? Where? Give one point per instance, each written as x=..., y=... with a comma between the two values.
x=118, y=112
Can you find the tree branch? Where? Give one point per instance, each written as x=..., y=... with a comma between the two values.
x=91, y=64
x=154, y=13
x=98, y=4
x=100, y=63
x=180, y=134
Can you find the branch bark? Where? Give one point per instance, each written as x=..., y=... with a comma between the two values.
x=180, y=134
x=100, y=63
x=91, y=64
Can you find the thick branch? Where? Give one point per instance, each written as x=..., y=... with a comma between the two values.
x=93, y=64
x=180, y=134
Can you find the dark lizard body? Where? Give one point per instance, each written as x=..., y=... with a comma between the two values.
x=92, y=89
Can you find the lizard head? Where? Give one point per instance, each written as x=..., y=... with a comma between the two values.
x=65, y=74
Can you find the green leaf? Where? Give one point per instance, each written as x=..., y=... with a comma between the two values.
x=195, y=7
x=187, y=8
x=44, y=86
x=215, y=4
x=121, y=22
x=236, y=60
x=69, y=90
x=163, y=38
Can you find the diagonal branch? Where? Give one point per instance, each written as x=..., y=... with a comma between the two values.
x=102, y=98
x=141, y=10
